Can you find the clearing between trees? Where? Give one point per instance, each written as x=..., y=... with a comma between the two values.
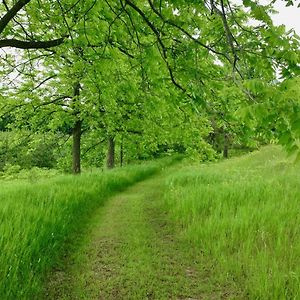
x=89, y=85
x=133, y=253
x=224, y=230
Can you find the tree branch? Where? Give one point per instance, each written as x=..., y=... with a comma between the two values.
x=31, y=44
x=160, y=42
x=12, y=13
x=190, y=36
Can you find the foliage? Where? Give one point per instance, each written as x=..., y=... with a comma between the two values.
x=147, y=77
x=144, y=70
x=27, y=149
x=15, y=172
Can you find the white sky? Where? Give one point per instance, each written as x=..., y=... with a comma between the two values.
x=289, y=16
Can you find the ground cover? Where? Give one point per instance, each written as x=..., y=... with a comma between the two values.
x=39, y=217
x=243, y=216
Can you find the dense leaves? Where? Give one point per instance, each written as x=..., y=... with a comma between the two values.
x=149, y=76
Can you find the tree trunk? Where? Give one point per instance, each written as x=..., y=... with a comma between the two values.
x=76, y=147
x=225, y=149
x=121, y=153
x=76, y=132
x=111, y=153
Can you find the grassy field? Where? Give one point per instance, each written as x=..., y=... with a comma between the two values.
x=38, y=218
x=226, y=230
x=243, y=216
x=127, y=253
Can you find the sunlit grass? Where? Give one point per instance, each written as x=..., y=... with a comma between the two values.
x=36, y=219
x=244, y=216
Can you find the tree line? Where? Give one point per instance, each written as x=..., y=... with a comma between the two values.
x=144, y=78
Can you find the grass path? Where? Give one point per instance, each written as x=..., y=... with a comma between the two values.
x=131, y=252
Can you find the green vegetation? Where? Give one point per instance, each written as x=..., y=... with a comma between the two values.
x=89, y=85
x=38, y=218
x=242, y=215
x=231, y=225
x=226, y=230
x=131, y=251
x=113, y=82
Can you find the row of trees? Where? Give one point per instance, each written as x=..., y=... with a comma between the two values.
x=148, y=75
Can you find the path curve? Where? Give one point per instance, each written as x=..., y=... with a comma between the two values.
x=132, y=252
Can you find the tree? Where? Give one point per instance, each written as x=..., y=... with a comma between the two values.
x=207, y=56
x=11, y=25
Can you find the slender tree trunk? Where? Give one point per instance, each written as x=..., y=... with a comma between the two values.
x=76, y=147
x=121, y=152
x=226, y=145
x=76, y=132
x=111, y=153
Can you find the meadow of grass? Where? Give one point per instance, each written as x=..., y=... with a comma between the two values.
x=243, y=215
x=37, y=219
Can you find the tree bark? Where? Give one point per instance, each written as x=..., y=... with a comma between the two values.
x=121, y=152
x=76, y=147
x=225, y=149
x=14, y=43
x=76, y=132
x=111, y=153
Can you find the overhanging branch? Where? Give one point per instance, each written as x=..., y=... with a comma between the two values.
x=31, y=44
x=12, y=13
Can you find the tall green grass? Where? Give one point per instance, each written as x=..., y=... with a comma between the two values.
x=37, y=218
x=243, y=215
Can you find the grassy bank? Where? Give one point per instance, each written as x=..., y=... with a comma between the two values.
x=243, y=216
x=38, y=217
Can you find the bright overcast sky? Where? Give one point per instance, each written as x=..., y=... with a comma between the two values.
x=289, y=16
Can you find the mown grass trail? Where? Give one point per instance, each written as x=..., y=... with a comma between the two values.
x=132, y=253
x=39, y=219
x=226, y=230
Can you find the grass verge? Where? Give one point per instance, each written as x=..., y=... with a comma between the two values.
x=37, y=219
x=243, y=216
